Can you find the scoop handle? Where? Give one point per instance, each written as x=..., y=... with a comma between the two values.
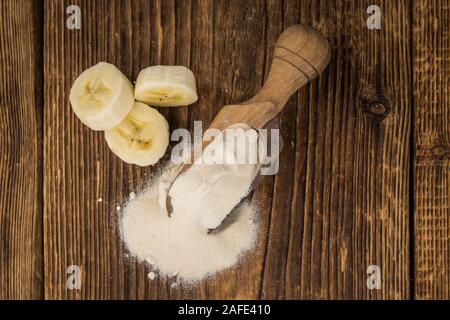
x=301, y=54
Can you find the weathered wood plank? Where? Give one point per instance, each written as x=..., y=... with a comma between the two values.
x=342, y=190
x=79, y=169
x=432, y=149
x=21, y=254
x=238, y=72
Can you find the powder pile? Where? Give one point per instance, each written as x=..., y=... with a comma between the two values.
x=201, y=197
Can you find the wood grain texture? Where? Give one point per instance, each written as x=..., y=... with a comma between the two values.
x=432, y=149
x=340, y=200
x=342, y=190
x=21, y=252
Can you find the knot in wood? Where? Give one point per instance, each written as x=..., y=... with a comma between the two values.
x=377, y=108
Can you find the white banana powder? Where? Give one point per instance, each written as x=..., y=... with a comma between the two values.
x=181, y=245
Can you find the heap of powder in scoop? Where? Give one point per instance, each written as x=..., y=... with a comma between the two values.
x=201, y=198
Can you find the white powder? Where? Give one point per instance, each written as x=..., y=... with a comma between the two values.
x=201, y=198
x=208, y=193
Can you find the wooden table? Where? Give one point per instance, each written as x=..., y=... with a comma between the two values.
x=364, y=174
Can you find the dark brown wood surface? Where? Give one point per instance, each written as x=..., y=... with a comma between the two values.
x=21, y=233
x=341, y=201
x=432, y=149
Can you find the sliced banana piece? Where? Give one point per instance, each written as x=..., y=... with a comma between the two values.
x=102, y=96
x=166, y=86
x=142, y=138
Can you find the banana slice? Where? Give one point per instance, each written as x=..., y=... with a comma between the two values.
x=142, y=138
x=166, y=86
x=101, y=96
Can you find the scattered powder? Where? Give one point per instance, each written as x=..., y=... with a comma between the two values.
x=118, y=208
x=132, y=195
x=151, y=275
x=176, y=245
x=99, y=200
x=201, y=197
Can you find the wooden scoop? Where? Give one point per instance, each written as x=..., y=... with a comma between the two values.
x=301, y=54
